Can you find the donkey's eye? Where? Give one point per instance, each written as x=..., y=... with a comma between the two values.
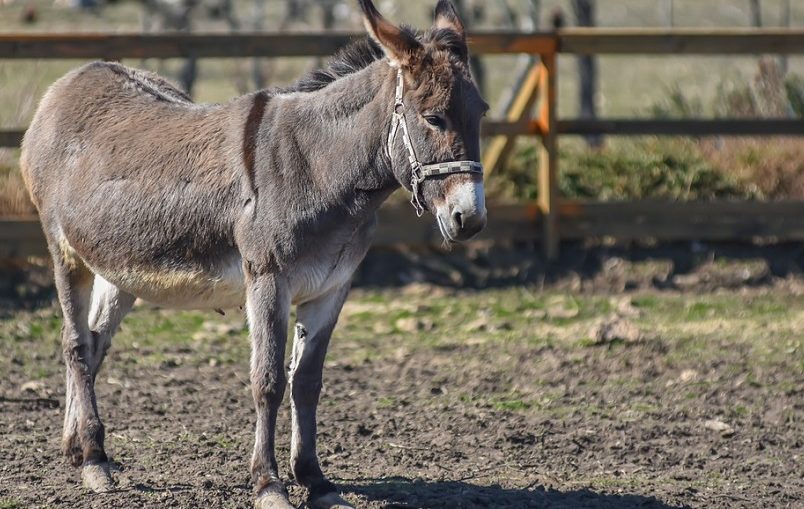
x=437, y=121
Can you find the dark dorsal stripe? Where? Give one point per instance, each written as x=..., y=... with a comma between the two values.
x=146, y=82
x=250, y=132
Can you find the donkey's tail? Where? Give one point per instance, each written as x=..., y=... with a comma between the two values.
x=39, y=142
x=25, y=171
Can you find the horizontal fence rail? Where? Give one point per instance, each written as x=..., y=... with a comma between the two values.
x=568, y=41
x=593, y=41
x=577, y=219
x=700, y=41
x=11, y=138
x=550, y=218
x=221, y=45
x=620, y=127
x=683, y=127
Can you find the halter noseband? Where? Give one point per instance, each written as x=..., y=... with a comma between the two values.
x=419, y=171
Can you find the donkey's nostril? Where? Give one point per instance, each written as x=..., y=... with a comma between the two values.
x=456, y=216
x=465, y=225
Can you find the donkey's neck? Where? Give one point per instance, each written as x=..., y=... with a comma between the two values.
x=341, y=130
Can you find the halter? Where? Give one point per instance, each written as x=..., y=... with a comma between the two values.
x=419, y=171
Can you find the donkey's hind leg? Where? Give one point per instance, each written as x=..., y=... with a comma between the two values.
x=83, y=430
x=109, y=306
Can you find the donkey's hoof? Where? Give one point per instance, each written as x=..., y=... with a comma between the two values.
x=273, y=499
x=97, y=477
x=330, y=501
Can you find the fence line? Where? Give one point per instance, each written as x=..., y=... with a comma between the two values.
x=586, y=41
x=225, y=45
x=556, y=218
x=576, y=219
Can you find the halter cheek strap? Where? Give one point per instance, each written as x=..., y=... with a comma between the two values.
x=420, y=172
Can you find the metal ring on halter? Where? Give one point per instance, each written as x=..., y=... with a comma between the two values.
x=419, y=172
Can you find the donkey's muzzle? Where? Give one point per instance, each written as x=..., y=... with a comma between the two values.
x=466, y=224
x=464, y=213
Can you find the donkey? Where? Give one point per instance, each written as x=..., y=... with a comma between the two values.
x=267, y=201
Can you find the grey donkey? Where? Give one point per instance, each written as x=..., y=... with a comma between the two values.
x=267, y=201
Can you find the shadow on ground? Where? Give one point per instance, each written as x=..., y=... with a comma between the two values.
x=401, y=493
x=617, y=267
x=690, y=266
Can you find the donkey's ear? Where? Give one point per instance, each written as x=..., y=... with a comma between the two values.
x=400, y=46
x=446, y=16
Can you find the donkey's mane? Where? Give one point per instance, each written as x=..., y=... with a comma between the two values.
x=363, y=52
x=351, y=58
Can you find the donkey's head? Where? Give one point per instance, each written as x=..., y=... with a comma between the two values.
x=434, y=143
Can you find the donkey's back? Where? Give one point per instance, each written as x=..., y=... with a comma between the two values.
x=134, y=180
x=96, y=117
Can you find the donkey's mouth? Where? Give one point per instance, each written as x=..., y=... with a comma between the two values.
x=449, y=239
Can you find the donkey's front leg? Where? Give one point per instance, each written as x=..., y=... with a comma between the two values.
x=267, y=306
x=315, y=321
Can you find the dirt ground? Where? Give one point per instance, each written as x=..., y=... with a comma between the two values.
x=438, y=398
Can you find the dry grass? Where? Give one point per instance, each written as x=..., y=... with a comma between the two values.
x=21, y=86
x=770, y=168
x=14, y=199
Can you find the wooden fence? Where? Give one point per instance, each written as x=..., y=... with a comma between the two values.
x=550, y=218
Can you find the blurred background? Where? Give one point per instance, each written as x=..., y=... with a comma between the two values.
x=637, y=86
x=637, y=368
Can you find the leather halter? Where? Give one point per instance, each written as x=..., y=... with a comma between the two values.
x=419, y=171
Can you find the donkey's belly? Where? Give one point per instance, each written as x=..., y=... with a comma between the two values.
x=183, y=287
x=332, y=266
x=313, y=279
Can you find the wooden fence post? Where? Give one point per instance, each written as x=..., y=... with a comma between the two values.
x=521, y=107
x=548, y=157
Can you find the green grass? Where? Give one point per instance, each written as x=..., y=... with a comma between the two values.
x=386, y=402
x=674, y=169
x=507, y=313
x=512, y=405
x=748, y=336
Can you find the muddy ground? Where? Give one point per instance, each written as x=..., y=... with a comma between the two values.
x=438, y=398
